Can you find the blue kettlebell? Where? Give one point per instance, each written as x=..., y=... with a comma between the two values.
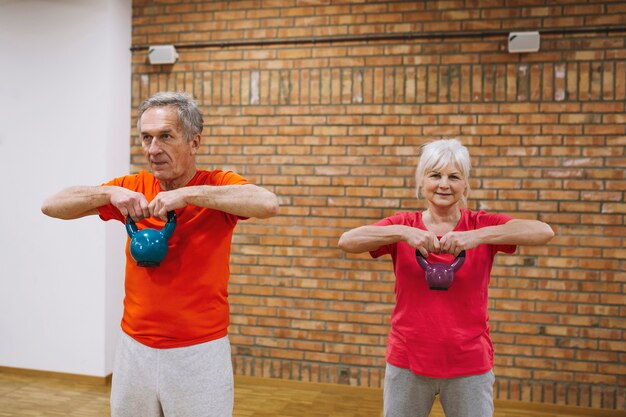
x=149, y=246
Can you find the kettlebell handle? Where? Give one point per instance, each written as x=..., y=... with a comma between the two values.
x=460, y=258
x=169, y=227
x=131, y=226
x=460, y=255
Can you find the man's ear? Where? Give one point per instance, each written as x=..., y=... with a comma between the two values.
x=195, y=144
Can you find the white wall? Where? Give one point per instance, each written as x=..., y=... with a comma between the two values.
x=64, y=120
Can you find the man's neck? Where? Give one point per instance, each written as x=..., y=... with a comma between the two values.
x=178, y=182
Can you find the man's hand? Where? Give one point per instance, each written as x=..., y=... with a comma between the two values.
x=129, y=203
x=168, y=201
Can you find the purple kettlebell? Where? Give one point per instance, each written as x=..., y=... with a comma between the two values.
x=440, y=276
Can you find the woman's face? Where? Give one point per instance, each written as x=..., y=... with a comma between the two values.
x=444, y=187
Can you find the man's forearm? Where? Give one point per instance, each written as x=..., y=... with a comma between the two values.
x=75, y=202
x=241, y=200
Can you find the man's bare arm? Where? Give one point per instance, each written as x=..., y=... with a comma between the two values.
x=246, y=200
x=83, y=200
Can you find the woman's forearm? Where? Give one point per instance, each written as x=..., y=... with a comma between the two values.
x=516, y=232
x=369, y=238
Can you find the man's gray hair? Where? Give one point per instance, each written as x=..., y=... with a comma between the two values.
x=189, y=116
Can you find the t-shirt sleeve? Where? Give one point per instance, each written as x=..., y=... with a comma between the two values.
x=391, y=248
x=109, y=211
x=228, y=178
x=495, y=219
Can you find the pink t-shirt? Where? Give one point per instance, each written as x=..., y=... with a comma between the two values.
x=442, y=334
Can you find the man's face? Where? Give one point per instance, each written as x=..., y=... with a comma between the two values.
x=170, y=155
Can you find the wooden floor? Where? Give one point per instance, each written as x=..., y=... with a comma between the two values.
x=25, y=393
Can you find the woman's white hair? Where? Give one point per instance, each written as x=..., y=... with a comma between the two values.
x=438, y=154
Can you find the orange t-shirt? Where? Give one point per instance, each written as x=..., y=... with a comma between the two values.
x=184, y=301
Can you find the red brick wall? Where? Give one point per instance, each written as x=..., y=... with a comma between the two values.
x=333, y=129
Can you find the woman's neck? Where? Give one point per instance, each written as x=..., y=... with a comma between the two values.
x=441, y=220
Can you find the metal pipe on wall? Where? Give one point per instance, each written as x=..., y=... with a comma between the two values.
x=387, y=37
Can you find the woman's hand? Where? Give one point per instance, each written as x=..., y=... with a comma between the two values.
x=455, y=242
x=422, y=240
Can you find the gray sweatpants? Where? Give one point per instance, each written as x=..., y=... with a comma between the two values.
x=410, y=395
x=193, y=381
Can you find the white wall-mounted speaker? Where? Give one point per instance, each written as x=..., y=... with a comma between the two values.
x=523, y=42
x=162, y=54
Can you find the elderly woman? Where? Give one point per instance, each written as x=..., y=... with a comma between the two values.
x=439, y=340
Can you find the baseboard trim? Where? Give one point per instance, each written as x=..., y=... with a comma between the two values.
x=316, y=386
x=88, y=379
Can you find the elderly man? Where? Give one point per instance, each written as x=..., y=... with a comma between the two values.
x=174, y=355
